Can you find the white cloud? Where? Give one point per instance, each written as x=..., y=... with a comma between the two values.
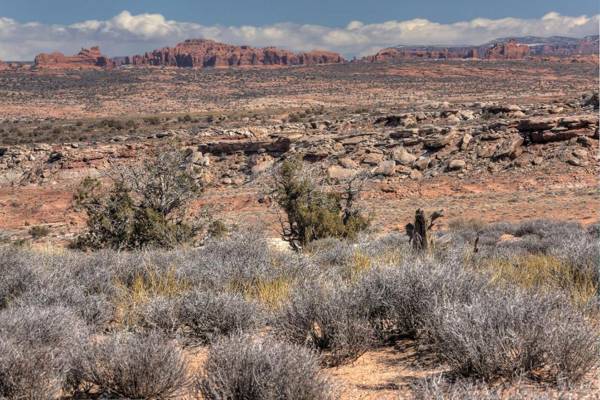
x=127, y=34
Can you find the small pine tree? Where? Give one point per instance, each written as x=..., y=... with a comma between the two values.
x=312, y=213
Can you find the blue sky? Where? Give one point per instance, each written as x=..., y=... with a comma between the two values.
x=259, y=12
x=350, y=27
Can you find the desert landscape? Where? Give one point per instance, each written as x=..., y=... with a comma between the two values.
x=217, y=221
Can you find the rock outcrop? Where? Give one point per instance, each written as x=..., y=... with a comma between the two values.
x=86, y=58
x=409, y=53
x=202, y=53
x=507, y=51
x=499, y=49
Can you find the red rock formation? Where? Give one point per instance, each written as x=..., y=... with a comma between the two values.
x=409, y=53
x=501, y=49
x=507, y=51
x=3, y=66
x=201, y=53
x=86, y=58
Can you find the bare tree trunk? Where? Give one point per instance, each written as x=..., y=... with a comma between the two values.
x=419, y=231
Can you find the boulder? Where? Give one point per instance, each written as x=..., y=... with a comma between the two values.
x=511, y=147
x=415, y=175
x=403, y=157
x=340, y=173
x=456, y=165
x=280, y=145
x=580, y=153
x=466, y=139
x=422, y=163
x=503, y=108
x=261, y=165
x=385, y=168
x=372, y=158
x=537, y=124
x=579, y=121
x=555, y=136
x=436, y=142
x=347, y=162
x=405, y=133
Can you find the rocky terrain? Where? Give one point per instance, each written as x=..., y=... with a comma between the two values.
x=86, y=58
x=508, y=141
x=454, y=135
x=499, y=49
x=202, y=53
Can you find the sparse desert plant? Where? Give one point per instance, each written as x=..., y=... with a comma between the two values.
x=205, y=316
x=135, y=292
x=39, y=231
x=128, y=365
x=511, y=333
x=42, y=326
x=145, y=206
x=399, y=300
x=243, y=367
x=240, y=263
x=440, y=387
x=24, y=373
x=312, y=213
x=324, y=317
x=548, y=273
x=160, y=314
x=16, y=275
x=50, y=283
x=33, y=346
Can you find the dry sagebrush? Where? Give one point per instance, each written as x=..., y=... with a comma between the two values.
x=246, y=368
x=129, y=365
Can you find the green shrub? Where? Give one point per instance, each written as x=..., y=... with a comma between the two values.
x=312, y=213
x=39, y=231
x=145, y=206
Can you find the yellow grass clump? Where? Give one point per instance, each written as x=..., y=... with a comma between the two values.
x=145, y=286
x=544, y=272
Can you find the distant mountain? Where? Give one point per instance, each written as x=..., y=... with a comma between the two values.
x=509, y=48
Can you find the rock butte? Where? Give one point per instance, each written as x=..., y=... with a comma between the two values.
x=202, y=53
x=86, y=58
x=501, y=49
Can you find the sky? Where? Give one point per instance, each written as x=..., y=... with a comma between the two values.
x=352, y=27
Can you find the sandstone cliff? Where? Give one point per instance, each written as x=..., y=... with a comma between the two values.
x=409, y=53
x=507, y=51
x=499, y=49
x=86, y=58
x=201, y=53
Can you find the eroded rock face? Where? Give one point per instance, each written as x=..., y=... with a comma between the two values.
x=86, y=58
x=507, y=51
x=395, y=53
x=202, y=53
x=555, y=129
x=500, y=49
